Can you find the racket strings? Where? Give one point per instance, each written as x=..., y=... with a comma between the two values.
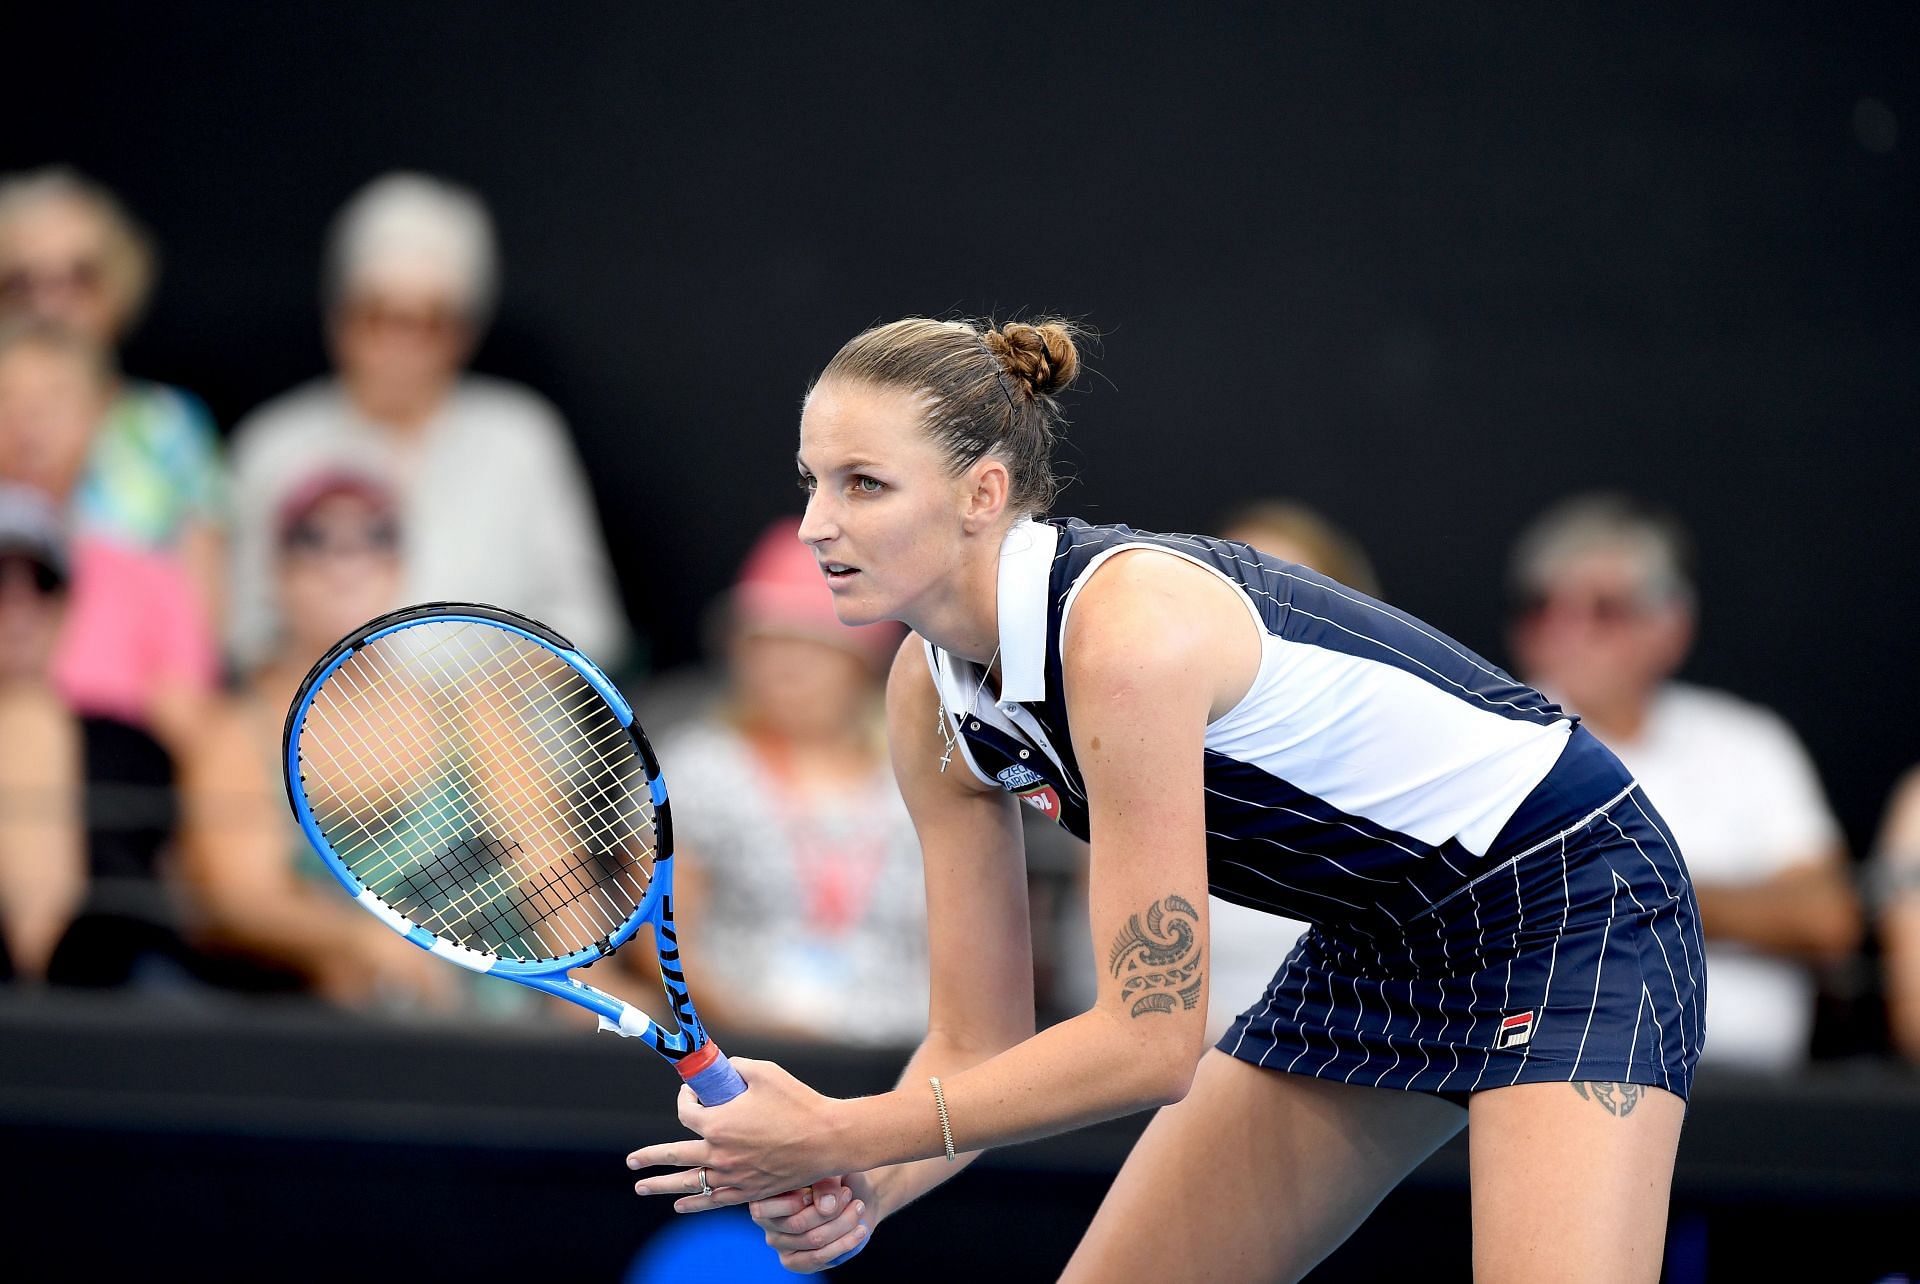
x=498, y=815
x=504, y=806
x=485, y=899
x=465, y=906
x=611, y=786
x=489, y=906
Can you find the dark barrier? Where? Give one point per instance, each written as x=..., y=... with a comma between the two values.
x=232, y=1142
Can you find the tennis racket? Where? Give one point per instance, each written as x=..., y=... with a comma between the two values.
x=479, y=786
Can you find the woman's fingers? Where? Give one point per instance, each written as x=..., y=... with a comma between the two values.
x=773, y=1207
x=823, y=1206
x=694, y=1181
x=671, y=1154
x=816, y=1248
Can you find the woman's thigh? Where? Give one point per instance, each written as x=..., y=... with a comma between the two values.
x=1571, y=1180
x=1256, y=1175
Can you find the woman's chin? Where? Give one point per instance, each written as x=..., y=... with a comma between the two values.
x=854, y=612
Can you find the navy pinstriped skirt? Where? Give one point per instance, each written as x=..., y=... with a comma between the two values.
x=1574, y=954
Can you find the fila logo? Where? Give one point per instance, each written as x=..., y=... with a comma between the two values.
x=1017, y=777
x=1514, y=1030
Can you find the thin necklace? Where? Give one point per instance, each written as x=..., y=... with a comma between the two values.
x=946, y=723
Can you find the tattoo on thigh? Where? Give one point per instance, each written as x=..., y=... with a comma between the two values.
x=1615, y=1098
x=1157, y=960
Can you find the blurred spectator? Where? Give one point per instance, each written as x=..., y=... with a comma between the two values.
x=135, y=645
x=86, y=804
x=71, y=255
x=802, y=894
x=494, y=500
x=42, y=860
x=1605, y=618
x=264, y=893
x=1291, y=530
x=1248, y=944
x=1896, y=881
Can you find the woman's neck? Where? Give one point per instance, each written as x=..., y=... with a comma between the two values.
x=405, y=413
x=964, y=619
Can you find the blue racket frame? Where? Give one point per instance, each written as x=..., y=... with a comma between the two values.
x=691, y=1052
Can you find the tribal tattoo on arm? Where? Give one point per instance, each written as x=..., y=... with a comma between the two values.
x=1156, y=958
x=1615, y=1098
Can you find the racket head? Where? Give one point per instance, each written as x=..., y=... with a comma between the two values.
x=383, y=754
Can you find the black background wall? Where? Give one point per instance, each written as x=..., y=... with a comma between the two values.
x=1429, y=266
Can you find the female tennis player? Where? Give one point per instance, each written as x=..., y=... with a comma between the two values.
x=1504, y=932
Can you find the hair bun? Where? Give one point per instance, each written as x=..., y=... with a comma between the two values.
x=1040, y=354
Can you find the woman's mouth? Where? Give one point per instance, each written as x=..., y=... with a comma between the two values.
x=838, y=572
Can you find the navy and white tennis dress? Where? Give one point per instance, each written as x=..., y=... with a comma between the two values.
x=1494, y=899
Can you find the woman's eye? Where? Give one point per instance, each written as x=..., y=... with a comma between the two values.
x=805, y=482
x=867, y=485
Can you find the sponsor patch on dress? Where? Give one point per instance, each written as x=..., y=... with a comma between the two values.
x=1018, y=777
x=1042, y=799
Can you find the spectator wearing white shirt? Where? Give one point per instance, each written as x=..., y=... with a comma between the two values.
x=1605, y=618
x=494, y=500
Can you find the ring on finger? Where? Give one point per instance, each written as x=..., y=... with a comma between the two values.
x=705, y=1188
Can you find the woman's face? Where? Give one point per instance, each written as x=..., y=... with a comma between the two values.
x=53, y=264
x=797, y=686
x=31, y=606
x=884, y=516
x=50, y=403
x=399, y=346
x=1600, y=637
x=339, y=567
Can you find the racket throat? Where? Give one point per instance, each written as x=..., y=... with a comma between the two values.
x=631, y=1024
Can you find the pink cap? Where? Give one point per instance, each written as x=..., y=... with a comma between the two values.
x=307, y=494
x=781, y=590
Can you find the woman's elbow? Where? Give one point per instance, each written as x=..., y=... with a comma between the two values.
x=1172, y=1067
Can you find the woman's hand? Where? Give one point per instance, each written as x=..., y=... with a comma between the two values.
x=777, y=1136
x=815, y=1226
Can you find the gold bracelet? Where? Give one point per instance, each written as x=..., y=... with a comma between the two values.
x=946, y=1127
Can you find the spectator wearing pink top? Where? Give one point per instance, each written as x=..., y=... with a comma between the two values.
x=135, y=644
x=802, y=894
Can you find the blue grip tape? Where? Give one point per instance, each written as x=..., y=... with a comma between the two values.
x=718, y=1083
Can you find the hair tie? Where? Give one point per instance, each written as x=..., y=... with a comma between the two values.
x=1000, y=378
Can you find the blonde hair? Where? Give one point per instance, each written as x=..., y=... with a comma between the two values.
x=1328, y=549
x=988, y=390
x=128, y=261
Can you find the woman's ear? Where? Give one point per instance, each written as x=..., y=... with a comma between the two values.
x=988, y=489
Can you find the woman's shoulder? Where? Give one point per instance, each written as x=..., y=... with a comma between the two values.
x=161, y=408
x=506, y=407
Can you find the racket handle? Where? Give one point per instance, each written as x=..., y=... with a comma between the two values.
x=710, y=1075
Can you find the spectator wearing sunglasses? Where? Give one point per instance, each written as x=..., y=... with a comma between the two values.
x=42, y=861
x=87, y=803
x=135, y=644
x=72, y=256
x=264, y=896
x=494, y=500
x=1605, y=618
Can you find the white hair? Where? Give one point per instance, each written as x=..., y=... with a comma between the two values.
x=416, y=228
x=1605, y=522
